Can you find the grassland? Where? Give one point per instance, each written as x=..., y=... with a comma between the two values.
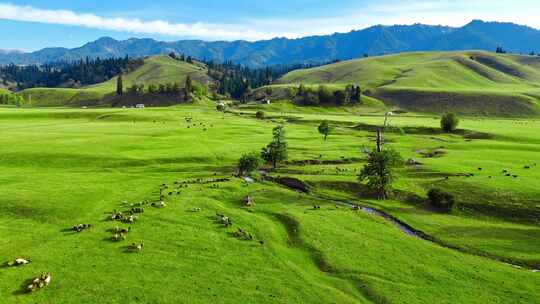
x=61, y=167
x=155, y=70
x=465, y=82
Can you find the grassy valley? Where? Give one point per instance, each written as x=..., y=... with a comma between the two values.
x=312, y=232
x=67, y=166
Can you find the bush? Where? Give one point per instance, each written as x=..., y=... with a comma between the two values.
x=260, y=115
x=449, y=122
x=248, y=163
x=440, y=199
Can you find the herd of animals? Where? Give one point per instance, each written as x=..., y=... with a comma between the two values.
x=130, y=216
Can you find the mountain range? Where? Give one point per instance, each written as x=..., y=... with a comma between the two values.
x=375, y=40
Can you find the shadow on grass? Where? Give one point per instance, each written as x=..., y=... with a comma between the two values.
x=418, y=130
x=22, y=290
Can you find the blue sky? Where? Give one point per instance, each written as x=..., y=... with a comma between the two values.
x=32, y=24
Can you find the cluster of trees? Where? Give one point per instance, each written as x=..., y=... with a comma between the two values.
x=237, y=81
x=11, y=99
x=500, y=50
x=325, y=96
x=189, y=90
x=181, y=57
x=274, y=153
x=378, y=173
x=67, y=74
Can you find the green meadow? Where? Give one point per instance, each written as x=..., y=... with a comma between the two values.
x=155, y=70
x=470, y=82
x=67, y=166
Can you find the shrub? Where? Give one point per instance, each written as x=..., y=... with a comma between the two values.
x=440, y=199
x=248, y=163
x=324, y=128
x=449, y=122
x=260, y=115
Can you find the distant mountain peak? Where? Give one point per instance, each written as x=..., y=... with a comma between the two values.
x=106, y=39
x=374, y=40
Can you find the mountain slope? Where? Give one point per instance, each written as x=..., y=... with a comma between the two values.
x=376, y=40
x=467, y=82
x=155, y=70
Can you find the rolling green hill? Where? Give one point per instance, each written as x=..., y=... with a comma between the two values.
x=471, y=82
x=155, y=70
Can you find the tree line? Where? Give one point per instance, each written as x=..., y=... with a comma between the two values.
x=67, y=74
x=189, y=90
x=237, y=81
x=325, y=96
x=11, y=99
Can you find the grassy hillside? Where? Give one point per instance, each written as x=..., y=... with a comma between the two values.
x=62, y=167
x=466, y=82
x=155, y=70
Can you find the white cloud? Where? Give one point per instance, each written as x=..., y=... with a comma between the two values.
x=454, y=13
x=157, y=27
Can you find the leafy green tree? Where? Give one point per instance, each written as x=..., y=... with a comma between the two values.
x=355, y=94
x=161, y=88
x=325, y=95
x=119, y=86
x=260, y=115
x=152, y=89
x=188, y=88
x=301, y=90
x=134, y=89
x=276, y=150
x=341, y=97
x=176, y=88
x=324, y=128
x=248, y=163
x=449, y=122
x=440, y=199
x=378, y=172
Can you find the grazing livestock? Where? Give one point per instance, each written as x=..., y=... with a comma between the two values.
x=130, y=219
x=136, y=247
x=248, y=201
x=242, y=234
x=137, y=210
x=18, y=262
x=116, y=215
x=225, y=220
x=39, y=282
x=161, y=204
x=81, y=227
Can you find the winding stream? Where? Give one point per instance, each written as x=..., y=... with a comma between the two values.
x=407, y=229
